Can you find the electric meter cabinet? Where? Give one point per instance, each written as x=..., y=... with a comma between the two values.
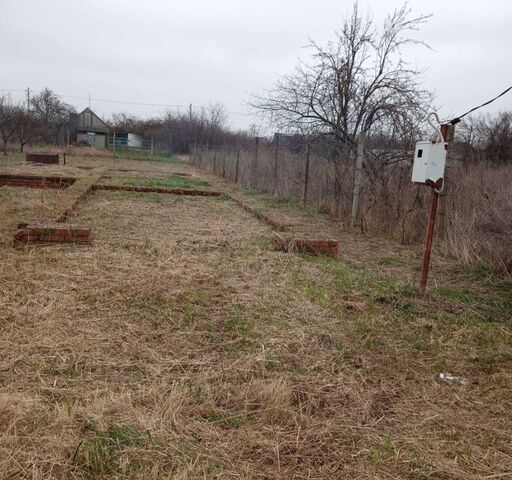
x=429, y=162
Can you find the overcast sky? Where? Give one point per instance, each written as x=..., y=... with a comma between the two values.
x=196, y=51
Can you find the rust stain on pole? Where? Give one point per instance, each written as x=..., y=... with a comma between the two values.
x=428, y=241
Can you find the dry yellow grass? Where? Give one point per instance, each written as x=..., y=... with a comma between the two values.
x=179, y=345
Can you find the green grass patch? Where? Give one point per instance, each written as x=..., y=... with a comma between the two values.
x=232, y=421
x=385, y=260
x=143, y=155
x=149, y=197
x=496, y=307
x=101, y=454
x=251, y=192
x=349, y=281
x=171, y=181
x=294, y=205
x=222, y=198
x=383, y=452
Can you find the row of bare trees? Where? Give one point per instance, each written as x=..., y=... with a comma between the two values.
x=487, y=138
x=46, y=117
x=179, y=130
x=41, y=120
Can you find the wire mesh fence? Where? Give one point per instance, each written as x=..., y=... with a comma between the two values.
x=390, y=204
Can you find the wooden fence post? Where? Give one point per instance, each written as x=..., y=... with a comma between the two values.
x=237, y=163
x=276, y=160
x=357, y=178
x=306, y=174
x=255, y=162
x=114, y=143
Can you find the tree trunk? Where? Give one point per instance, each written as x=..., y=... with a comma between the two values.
x=357, y=178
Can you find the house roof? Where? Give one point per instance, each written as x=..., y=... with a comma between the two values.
x=88, y=121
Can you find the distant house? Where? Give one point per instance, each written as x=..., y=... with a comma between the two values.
x=91, y=129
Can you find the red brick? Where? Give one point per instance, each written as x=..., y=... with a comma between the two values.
x=33, y=181
x=326, y=248
x=174, y=191
x=41, y=234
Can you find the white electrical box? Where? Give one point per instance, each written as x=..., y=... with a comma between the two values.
x=429, y=161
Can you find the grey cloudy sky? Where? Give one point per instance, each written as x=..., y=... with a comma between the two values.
x=197, y=51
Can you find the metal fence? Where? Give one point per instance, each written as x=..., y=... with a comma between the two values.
x=132, y=143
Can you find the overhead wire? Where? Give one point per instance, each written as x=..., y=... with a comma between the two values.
x=121, y=102
x=456, y=120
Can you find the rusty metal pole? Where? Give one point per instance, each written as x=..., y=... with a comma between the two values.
x=447, y=132
x=428, y=240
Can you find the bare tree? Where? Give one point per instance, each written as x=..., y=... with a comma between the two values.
x=495, y=137
x=27, y=131
x=49, y=110
x=215, y=115
x=359, y=83
x=11, y=119
x=126, y=121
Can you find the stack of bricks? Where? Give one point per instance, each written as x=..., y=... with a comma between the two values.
x=324, y=248
x=33, y=234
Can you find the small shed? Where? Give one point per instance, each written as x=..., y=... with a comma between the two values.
x=91, y=129
x=126, y=139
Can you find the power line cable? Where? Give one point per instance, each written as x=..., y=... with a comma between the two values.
x=121, y=101
x=164, y=105
x=456, y=120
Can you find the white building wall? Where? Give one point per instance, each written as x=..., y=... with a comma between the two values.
x=134, y=140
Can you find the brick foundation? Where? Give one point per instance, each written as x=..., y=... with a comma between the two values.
x=281, y=227
x=36, y=234
x=32, y=181
x=174, y=191
x=46, y=158
x=68, y=212
x=323, y=248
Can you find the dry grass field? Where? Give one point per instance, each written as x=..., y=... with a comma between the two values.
x=180, y=345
